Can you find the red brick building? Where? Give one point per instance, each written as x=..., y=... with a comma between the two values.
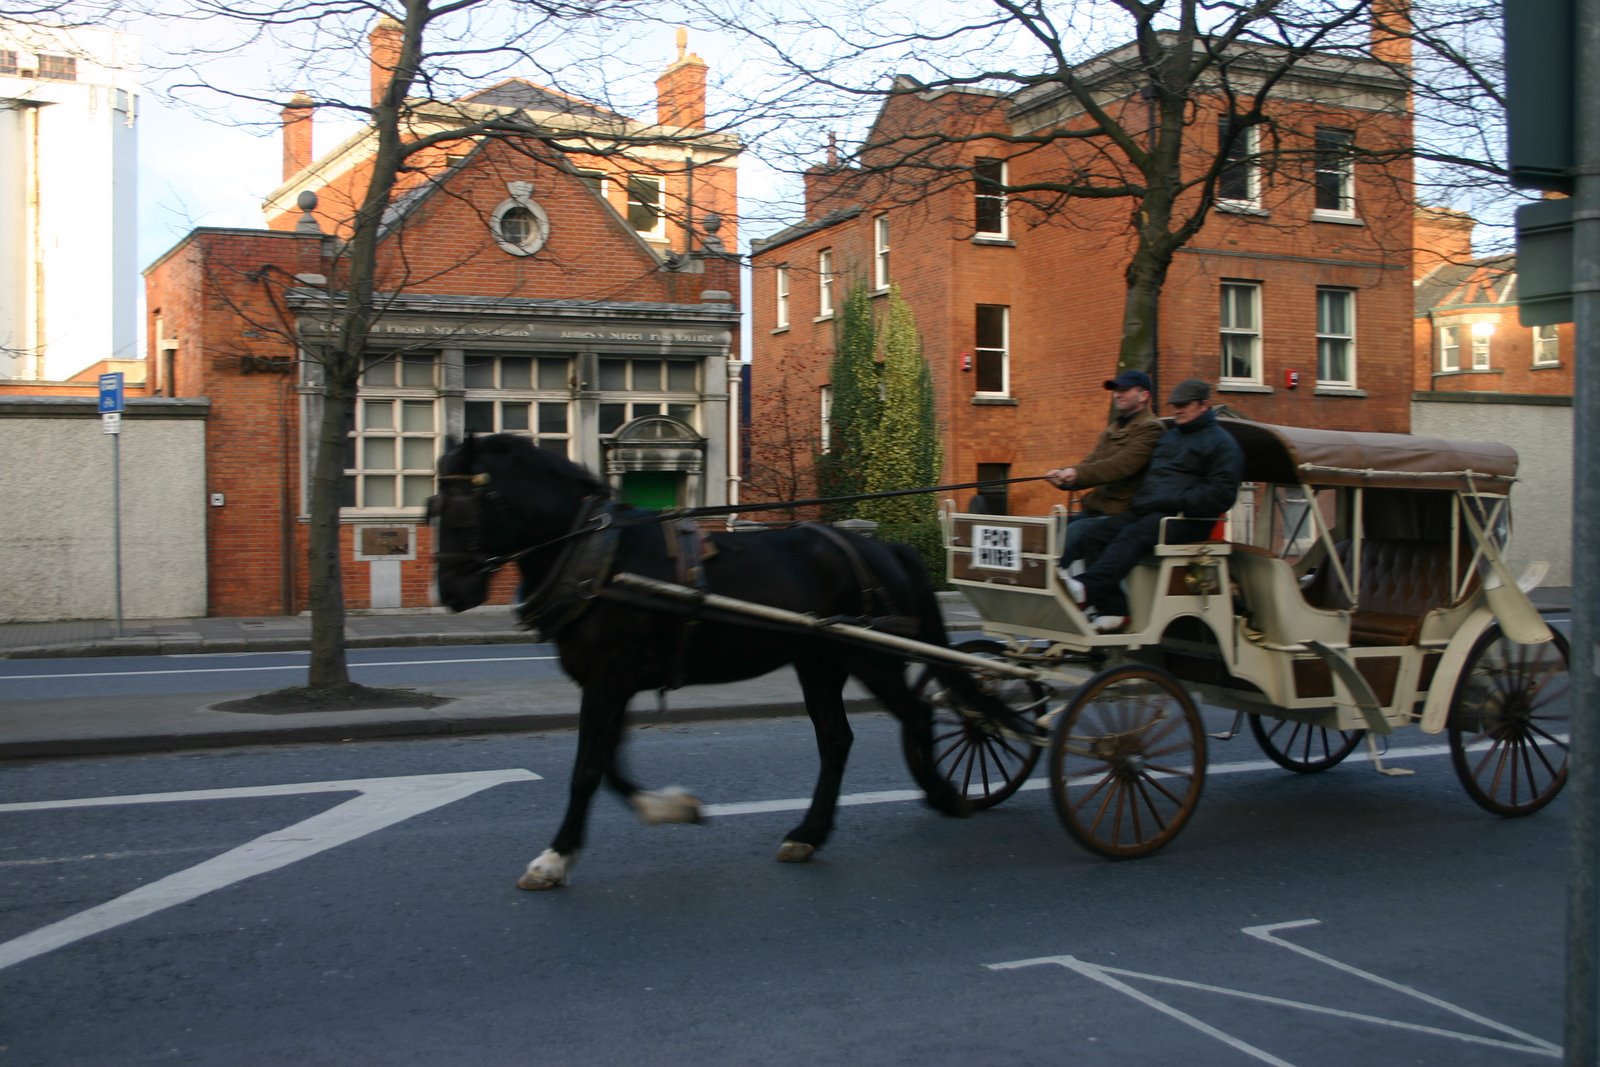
x=1294, y=298
x=583, y=300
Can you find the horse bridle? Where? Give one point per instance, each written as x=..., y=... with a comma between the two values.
x=459, y=507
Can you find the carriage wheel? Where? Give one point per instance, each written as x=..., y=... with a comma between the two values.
x=1127, y=760
x=984, y=764
x=1301, y=747
x=1508, y=723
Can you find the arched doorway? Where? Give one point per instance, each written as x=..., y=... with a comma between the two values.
x=657, y=461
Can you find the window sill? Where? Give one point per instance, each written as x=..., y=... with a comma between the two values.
x=993, y=400
x=1244, y=387
x=1466, y=370
x=780, y=329
x=1338, y=390
x=828, y=317
x=1336, y=218
x=993, y=242
x=1546, y=366
x=1241, y=207
x=875, y=293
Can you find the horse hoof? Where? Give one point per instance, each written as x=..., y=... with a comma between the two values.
x=547, y=872
x=795, y=852
x=666, y=806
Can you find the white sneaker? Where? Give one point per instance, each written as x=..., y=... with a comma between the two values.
x=1073, y=587
x=1108, y=624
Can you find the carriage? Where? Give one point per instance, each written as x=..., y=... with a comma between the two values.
x=1357, y=588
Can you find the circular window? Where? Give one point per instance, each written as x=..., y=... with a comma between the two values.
x=520, y=227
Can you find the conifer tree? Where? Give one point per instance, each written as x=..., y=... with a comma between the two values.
x=900, y=449
x=857, y=403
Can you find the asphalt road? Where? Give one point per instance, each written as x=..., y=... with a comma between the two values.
x=354, y=904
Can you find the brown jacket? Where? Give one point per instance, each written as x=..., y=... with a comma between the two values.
x=1116, y=466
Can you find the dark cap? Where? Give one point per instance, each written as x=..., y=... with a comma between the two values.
x=1188, y=391
x=1131, y=379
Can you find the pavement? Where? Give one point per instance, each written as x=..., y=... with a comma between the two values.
x=43, y=728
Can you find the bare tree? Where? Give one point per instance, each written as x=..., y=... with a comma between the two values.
x=1154, y=104
x=418, y=120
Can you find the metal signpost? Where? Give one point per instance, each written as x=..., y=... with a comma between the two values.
x=111, y=423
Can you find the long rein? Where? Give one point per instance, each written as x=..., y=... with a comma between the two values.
x=590, y=521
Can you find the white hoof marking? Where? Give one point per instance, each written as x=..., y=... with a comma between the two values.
x=795, y=852
x=546, y=872
x=666, y=805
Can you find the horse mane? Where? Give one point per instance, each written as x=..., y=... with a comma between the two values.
x=524, y=452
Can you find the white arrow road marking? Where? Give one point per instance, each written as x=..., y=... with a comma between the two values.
x=382, y=803
x=1525, y=1043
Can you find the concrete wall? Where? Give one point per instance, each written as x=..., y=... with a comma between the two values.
x=1540, y=429
x=57, y=549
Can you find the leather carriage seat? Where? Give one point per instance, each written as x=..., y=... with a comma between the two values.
x=1401, y=581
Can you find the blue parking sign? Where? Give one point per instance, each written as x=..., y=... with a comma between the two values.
x=110, y=392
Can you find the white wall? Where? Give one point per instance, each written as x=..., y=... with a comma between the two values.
x=1541, y=502
x=57, y=549
x=69, y=272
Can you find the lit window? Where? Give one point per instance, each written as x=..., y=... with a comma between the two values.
x=989, y=180
x=780, y=281
x=1239, y=182
x=825, y=283
x=1546, y=347
x=1336, y=337
x=989, y=349
x=880, y=252
x=1241, y=332
x=1336, y=193
x=644, y=206
x=1449, y=348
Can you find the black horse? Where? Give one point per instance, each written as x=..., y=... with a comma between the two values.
x=503, y=500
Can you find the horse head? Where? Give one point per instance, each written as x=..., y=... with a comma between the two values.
x=501, y=499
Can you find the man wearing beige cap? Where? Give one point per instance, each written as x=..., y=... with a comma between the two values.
x=1194, y=472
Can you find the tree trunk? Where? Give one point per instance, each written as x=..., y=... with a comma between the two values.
x=329, y=667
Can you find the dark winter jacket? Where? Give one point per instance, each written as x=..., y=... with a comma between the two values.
x=1195, y=471
x=1117, y=463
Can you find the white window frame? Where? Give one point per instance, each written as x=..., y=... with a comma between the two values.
x=1341, y=166
x=1249, y=149
x=1481, y=340
x=880, y=252
x=1329, y=340
x=780, y=298
x=1450, y=348
x=412, y=387
x=1002, y=353
x=1546, y=347
x=1233, y=332
x=825, y=284
x=825, y=428
x=980, y=199
x=658, y=231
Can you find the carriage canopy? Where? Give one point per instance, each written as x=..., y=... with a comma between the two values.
x=1290, y=454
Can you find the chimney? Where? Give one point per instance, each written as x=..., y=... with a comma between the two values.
x=1391, y=31
x=1442, y=235
x=681, y=89
x=385, y=44
x=296, y=135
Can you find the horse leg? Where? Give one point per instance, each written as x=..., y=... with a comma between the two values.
x=823, y=687
x=888, y=686
x=599, y=732
x=653, y=806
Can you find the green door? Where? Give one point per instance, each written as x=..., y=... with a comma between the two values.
x=651, y=489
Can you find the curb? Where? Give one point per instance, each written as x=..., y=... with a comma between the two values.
x=136, y=646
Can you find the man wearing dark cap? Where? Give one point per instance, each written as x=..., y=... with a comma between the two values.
x=1195, y=472
x=1112, y=471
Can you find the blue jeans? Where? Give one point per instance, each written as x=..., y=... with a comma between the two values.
x=1077, y=528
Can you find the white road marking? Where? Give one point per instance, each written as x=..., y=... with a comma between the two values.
x=264, y=667
x=381, y=803
x=1524, y=1043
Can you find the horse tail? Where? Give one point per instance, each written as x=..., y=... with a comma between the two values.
x=931, y=630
